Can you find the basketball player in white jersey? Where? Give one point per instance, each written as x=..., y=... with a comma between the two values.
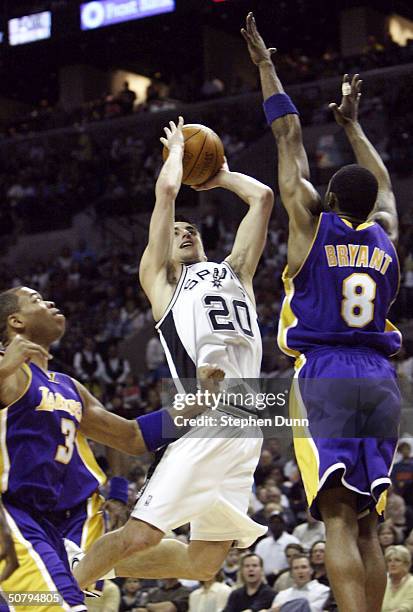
x=205, y=314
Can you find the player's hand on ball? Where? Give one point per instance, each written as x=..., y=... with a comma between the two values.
x=256, y=46
x=215, y=181
x=347, y=112
x=174, y=135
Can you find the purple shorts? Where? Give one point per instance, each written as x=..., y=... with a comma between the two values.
x=352, y=402
x=43, y=564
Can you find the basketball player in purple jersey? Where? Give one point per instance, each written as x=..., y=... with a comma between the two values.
x=48, y=476
x=341, y=279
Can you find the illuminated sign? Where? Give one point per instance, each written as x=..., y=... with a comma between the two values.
x=107, y=12
x=30, y=28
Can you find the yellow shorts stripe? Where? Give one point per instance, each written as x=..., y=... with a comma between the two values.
x=305, y=450
x=94, y=526
x=32, y=574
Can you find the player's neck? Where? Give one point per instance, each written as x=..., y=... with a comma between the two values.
x=41, y=362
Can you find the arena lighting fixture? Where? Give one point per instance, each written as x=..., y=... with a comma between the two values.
x=102, y=13
x=30, y=28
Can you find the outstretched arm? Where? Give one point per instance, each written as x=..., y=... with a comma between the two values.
x=252, y=232
x=298, y=195
x=156, y=256
x=346, y=115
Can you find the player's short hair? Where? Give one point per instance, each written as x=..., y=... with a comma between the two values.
x=356, y=190
x=184, y=219
x=9, y=303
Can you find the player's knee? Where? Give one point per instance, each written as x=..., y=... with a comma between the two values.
x=137, y=536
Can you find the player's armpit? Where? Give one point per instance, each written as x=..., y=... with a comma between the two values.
x=109, y=429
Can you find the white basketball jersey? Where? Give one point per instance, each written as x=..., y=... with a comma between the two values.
x=211, y=319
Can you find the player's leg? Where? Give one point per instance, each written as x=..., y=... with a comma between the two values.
x=195, y=561
x=43, y=566
x=344, y=563
x=105, y=554
x=373, y=561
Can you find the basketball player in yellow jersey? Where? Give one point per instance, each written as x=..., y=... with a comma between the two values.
x=205, y=313
x=341, y=279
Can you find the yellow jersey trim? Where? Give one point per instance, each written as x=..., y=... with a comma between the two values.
x=88, y=458
x=4, y=452
x=287, y=317
x=308, y=252
x=365, y=225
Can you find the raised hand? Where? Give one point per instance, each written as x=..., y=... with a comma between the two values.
x=347, y=112
x=215, y=181
x=19, y=351
x=174, y=135
x=256, y=46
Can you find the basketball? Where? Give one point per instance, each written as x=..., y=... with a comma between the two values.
x=203, y=154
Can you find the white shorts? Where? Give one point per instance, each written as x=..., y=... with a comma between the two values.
x=205, y=482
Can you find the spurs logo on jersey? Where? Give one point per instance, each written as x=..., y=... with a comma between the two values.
x=211, y=320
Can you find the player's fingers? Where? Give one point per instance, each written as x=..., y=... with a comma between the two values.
x=180, y=122
x=167, y=132
x=358, y=86
x=272, y=50
x=172, y=126
x=346, y=78
x=164, y=142
x=11, y=566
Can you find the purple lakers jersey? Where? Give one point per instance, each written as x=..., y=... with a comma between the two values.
x=343, y=291
x=45, y=464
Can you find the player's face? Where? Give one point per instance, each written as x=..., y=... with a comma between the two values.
x=41, y=321
x=301, y=571
x=187, y=245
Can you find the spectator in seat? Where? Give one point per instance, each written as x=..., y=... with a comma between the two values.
x=399, y=590
x=170, y=596
x=231, y=566
x=388, y=535
x=255, y=595
x=310, y=532
x=211, y=596
x=133, y=597
x=115, y=368
x=304, y=588
x=272, y=548
x=285, y=579
x=88, y=364
x=317, y=556
x=402, y=473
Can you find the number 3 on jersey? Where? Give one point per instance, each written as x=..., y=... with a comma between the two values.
x=65, y=451
x=357, y=307
x=223, y=320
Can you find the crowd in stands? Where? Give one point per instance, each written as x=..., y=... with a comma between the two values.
x=44, y=182
x=294, y=67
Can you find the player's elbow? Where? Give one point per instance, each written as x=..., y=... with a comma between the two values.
x=267, y=198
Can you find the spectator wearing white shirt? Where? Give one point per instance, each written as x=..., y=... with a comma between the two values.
x=272, y=548
x=310, y=532
x=304, y=588
x=88, y=363
x=212, y=596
